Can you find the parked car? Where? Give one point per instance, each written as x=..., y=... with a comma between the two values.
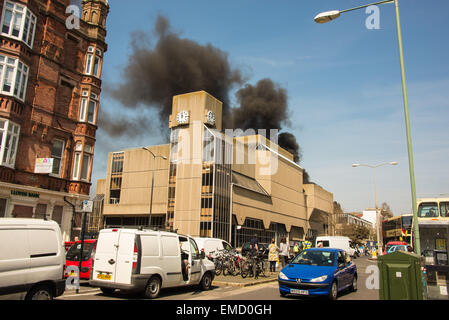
x=32, y=259
x=393, y=243
x=68, y=244
x=318, y=271
x=263, y=247
x=337, y=242
x=400, y=247
x=211, y=245
x=147, y=260
x=73, y=255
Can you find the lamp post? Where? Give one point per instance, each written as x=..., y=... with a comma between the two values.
x=331, y=15
x=378, y=222
x=152, y=181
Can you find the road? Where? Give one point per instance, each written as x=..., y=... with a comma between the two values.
x=267, y=291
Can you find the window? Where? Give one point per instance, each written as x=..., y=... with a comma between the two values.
x=18, y=22
x=116, y=177
x=444, y=209
x=88, y=108
x=57, y=214
x=13, y=77
x=2, y=208
x=428, y=210
x=93, y=62
x=9, y=138
x=82, y=162
x=57, y=152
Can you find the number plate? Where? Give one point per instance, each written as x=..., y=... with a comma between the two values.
x=104, y=276
x=296, y=291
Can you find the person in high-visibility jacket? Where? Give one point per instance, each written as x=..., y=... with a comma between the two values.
x=306, y=245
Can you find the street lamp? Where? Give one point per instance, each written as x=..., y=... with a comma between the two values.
x=331, y=15
x=393, y=163
x=152, y=181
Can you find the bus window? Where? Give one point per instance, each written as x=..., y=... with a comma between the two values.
x=428, y=210
x=444, y=209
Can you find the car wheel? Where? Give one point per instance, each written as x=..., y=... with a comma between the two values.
x=354, y=283
x=206, y=281
x=333, y=292
x=153, y=288
x=40, y=293
x=107, y=291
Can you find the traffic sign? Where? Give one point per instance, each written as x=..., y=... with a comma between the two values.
x=88, y=205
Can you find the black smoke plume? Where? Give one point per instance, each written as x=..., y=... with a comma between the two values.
x=154, y=74
x=174, y=66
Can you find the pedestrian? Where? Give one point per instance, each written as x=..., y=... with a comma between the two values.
x=283, y=252
x=296, y=249
x=273, y=255
x=254, y=244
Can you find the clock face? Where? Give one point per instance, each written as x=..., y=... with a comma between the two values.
x=183, y=117
x=211, y=118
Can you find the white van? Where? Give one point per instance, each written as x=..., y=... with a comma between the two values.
x=336, y=242
x=211, y=245
x=147, y=260
x=32, y=259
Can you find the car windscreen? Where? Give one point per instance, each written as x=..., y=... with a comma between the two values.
x=315, y=258
x=74, y=251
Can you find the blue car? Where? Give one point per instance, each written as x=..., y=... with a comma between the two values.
x=318, y=271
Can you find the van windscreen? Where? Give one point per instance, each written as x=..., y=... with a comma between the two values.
x=325, y=243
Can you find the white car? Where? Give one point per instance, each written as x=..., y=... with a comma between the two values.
x=32, y=259
x=146, y=261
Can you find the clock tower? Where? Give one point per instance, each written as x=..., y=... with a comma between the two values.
x=193, y=115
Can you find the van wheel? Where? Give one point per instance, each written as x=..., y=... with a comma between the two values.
x=107, y=291
x=40, y=293
x=206, y=281
x=153, y=288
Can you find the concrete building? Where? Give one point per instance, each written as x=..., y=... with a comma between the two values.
x=211, y=183
x=354, y=218
x=50, y=74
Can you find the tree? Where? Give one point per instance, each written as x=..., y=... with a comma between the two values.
x=385, y=211
x=356, y=233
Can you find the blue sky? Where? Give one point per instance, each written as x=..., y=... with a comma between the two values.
x=343, y=83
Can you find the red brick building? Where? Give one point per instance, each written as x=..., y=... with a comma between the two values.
x=50, y=84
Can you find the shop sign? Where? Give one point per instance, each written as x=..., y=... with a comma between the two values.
x=43, y=165
x=24, y=194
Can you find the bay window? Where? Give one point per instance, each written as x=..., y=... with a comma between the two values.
x=93, y=62
x=88, y=107
x=9, y=139
x=82, y=162
x=18, y=22
x=13, y=77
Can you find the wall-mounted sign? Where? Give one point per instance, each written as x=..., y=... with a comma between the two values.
x=24, y=194
x=43, y=165
x=88, y=205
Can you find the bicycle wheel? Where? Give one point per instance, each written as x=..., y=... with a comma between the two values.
x=218, y=268
x=244, y=269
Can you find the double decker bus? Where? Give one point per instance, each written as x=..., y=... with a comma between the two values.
x=397, y=228
x=433, y=220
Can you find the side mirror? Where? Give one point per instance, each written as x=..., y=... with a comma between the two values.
x=202, y=254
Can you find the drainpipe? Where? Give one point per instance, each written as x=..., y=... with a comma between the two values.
x=73, y=216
